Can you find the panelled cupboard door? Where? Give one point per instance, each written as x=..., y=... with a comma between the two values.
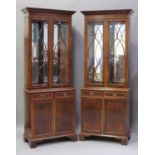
x=114, y=116
x=91, y=115
x=42, y=118
x=65, y=116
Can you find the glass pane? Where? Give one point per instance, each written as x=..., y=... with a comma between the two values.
x=95, y=52
x=39, y=52
x=60, y=53
x=117, y=52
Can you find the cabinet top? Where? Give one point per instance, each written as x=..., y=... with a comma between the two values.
x=108, y=12
x=44, y=10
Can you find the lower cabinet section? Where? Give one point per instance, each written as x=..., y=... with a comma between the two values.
x=105, y=114
x=53, y=114
x=49, y=115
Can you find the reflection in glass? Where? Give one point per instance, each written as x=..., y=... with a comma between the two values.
x=117, y=52
x=60, y=53
x=95, y=52
x=39, y=52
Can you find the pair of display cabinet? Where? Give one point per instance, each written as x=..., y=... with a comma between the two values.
x=50, y=108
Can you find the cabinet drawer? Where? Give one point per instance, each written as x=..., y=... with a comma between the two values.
x=92, y=93
x=39, y=96
x=65, y=94
x=115, y=94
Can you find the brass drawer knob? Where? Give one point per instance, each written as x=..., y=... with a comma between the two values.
x=42, y=95
x=65, y=94
x=91, y=93
x=114, y=94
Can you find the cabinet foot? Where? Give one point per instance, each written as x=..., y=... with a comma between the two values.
x=124, y=141
x=73, y=138
x=129, y=137
x=82, y=138
x=25, y=139
x=32, y=144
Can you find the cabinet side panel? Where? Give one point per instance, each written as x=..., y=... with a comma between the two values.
x=27, y=112
x=128, y=118
x=70, y=53
x=26, y=51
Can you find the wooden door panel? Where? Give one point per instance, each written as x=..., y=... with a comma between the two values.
x=64, y=116
x=42, y=111
x=91, y=115
x=114, y=116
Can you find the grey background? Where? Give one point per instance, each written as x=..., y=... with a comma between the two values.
x=78, y=47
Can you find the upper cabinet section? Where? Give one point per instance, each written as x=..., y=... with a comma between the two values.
x=48, y=48
x=106, y=48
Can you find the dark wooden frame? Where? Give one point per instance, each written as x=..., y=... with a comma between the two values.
x=108, y=94
x=38, y=98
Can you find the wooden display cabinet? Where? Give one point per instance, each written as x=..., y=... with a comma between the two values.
x=50, y=109
x=105, y=107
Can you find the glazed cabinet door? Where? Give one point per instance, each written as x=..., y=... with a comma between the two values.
x=42, y=118
x=115, y=116
x=61, y=53
x=65, y=111
x=118, y=51
x=94, y=55
x=91, y=119
x=39, y=43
